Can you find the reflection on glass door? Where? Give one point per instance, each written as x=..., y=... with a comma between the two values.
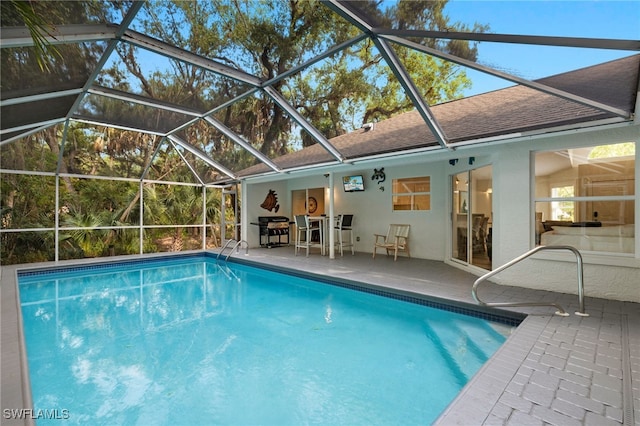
x=471, y=225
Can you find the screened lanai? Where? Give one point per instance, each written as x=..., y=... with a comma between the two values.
x=127, y=126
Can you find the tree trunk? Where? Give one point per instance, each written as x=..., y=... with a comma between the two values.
x=178, y=242
x=51, y=138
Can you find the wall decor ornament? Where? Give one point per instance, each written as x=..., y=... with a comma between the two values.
x=379, y=175
x=313, y=205
x=271, y=201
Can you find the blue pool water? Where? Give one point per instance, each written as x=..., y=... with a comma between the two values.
x=182, y=342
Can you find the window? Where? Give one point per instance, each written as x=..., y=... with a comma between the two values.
x=412, y=193
x=562, y=210
x=585, y=198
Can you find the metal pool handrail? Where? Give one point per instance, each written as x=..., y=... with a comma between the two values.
x=561, y=311
x=236, y=246
x=224, y=247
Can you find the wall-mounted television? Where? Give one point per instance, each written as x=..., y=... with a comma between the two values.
x=353, y=183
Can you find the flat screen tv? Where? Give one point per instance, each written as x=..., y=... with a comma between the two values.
x=353, y=183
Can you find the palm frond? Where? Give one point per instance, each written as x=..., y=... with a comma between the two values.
x=39, y=30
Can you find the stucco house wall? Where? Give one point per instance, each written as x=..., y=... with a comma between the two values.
x=607, y=276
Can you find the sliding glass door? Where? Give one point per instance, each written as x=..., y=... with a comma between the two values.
x=472, y=213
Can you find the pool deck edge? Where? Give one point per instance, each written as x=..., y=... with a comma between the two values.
x=15, y=389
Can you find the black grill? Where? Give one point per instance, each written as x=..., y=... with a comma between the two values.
x=272, y=227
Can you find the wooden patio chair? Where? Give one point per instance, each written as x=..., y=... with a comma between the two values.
x=397, y=239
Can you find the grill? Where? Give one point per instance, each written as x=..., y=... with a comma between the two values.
x=272, y=227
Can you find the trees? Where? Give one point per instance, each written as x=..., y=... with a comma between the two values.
x=264, y=38
x=267, y=38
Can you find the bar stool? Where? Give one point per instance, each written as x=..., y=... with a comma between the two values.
x=303, y=227
x=344, y=224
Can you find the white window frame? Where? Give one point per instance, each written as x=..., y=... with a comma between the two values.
x=591, y=257
x=410, y=194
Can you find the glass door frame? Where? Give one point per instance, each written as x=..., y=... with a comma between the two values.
x=471, y=216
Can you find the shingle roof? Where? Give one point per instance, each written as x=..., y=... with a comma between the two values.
x=512, y=110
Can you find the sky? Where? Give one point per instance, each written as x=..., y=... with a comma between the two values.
x=562, y=18
x=577, y=18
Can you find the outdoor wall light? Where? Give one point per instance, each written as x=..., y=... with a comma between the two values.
x=453, y=161
x=471, y=160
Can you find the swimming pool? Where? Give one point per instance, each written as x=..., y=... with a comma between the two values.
x=183, y=341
